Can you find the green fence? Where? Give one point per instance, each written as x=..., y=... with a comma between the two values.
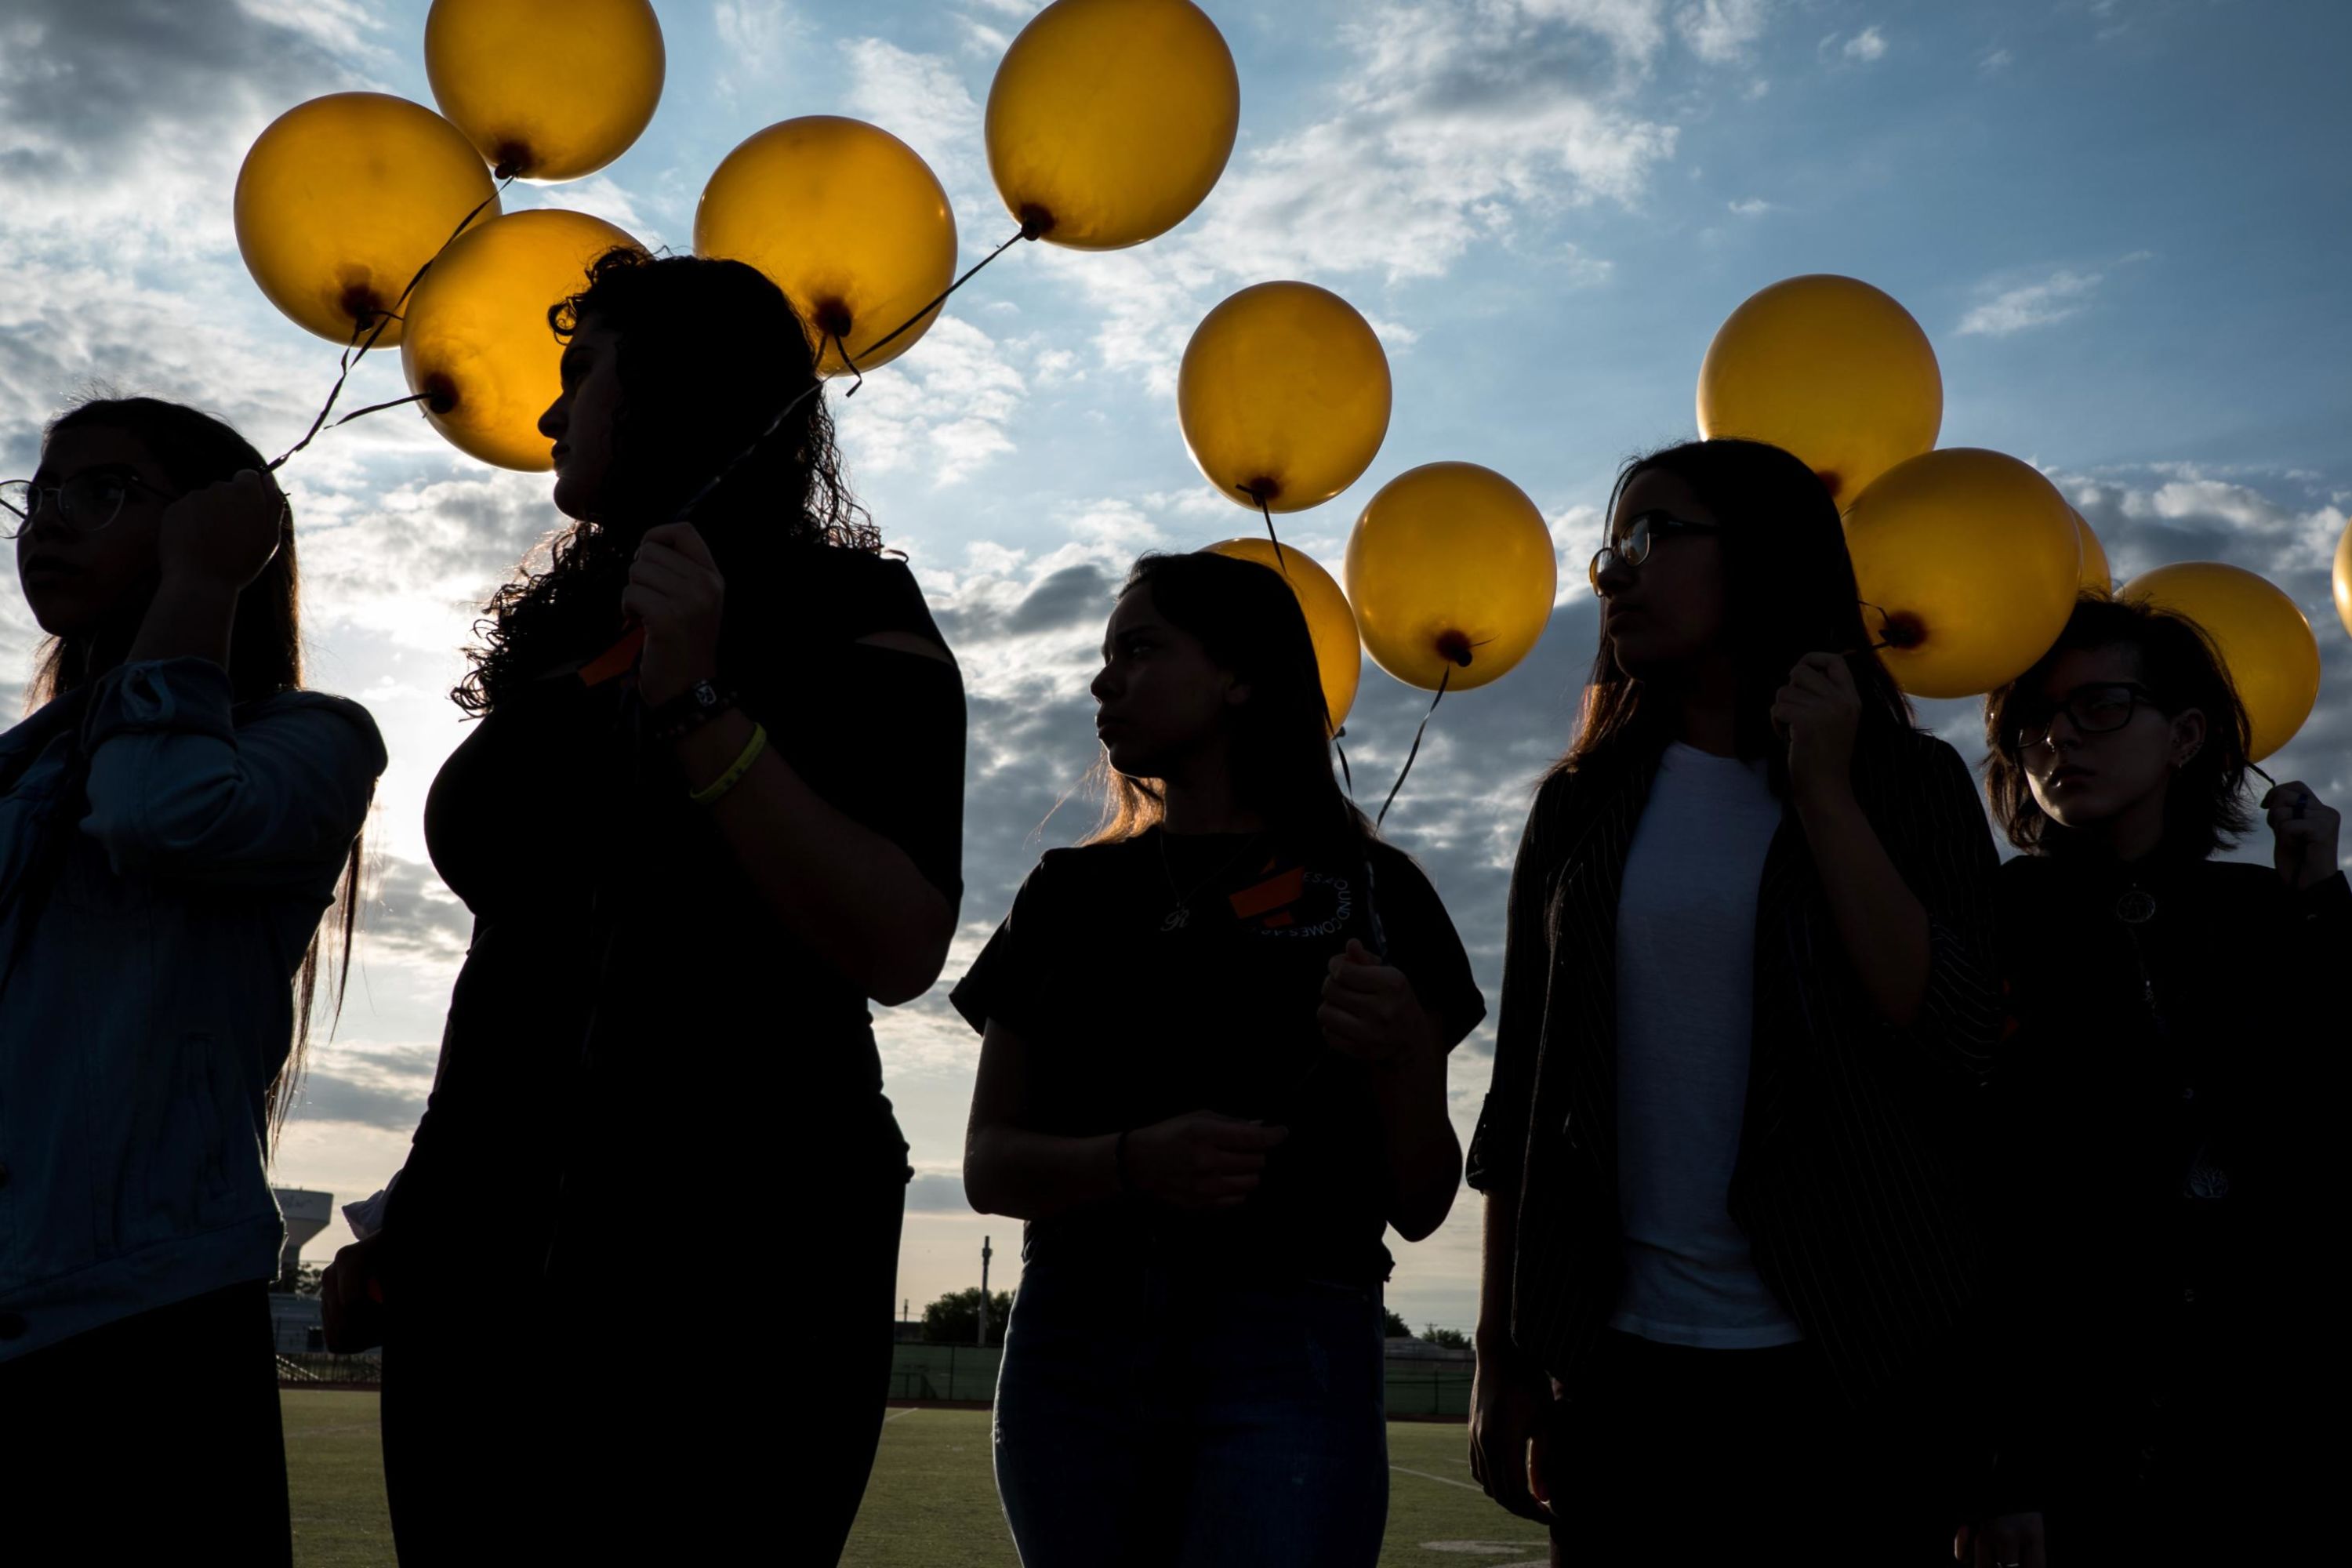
x=1418, y=1388
x=944, y=1372
x=965, y=1372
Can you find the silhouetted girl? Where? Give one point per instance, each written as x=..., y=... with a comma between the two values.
x=1747, y=996
x=176, y=816
x=2170, y=1099
x=688, y=882
x=1214, y=1069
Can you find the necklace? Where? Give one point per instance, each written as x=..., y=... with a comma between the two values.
x=1182, y=912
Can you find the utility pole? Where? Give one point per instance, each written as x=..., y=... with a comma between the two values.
x=986, y=1252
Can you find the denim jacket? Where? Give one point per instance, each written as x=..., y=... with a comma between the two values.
x=147, y=956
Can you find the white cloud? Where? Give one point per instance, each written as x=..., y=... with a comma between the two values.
x=2015, y=310
x=1457, y=126
x=1721, y=30
x=1867, y=45
x=1754, y=206
x=944, y=408
x=1996, y=60
x=757, y=38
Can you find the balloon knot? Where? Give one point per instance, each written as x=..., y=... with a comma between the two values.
x=360, y=302
x=1035, y=221
x=1455, y=645
x=512, y=159
x=1260, y=489
x=1832, y=481
x=1904, y=630
x=832, y=316
x=440, y=393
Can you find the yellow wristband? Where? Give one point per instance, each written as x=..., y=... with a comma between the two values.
x=735, y=772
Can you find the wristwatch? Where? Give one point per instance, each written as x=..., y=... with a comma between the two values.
x=690, y=709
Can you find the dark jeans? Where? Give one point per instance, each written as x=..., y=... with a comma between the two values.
x=1146, y=1418
x=467, y=1386
x=154, y=1439
x=1669, y=1455
x=852, y=1321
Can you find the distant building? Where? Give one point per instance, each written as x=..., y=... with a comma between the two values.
x=307, y=1213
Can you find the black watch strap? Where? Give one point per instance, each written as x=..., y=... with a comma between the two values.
x=690, y=709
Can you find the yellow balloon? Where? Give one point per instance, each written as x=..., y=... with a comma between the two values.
x=2096, y=574
x=1829, y=368
x=1109, y=120
x=846, y=220
x=1969, y=565
x=1451, y=575
x=2265, y=643
x=343, y=199
x=1283, y=397
x=1330, y=623
x=547, y=90
x=2344, y=578
x=477, y=333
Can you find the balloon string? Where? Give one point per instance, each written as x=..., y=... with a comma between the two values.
x=1267, y=512
x=380, y=407
x=1337, y=736
x=1442, y=681
x=617, y=659
x=383, y=320
x=1023, y=233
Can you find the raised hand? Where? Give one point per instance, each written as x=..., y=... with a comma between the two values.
x=221, y=536
x=1369, y=1010
x=675, y=592
x=1819, y=712
x=2303, y=834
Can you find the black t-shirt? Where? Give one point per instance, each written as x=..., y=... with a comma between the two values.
x=566, y=829
x=1168, y=973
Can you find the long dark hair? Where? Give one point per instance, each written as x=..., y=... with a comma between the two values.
x=2205, y=805
x=1248, y=620
x=265, y=657
x=1791, y=593
x=710, y=351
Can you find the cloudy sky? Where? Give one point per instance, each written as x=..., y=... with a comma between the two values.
x=2122, y=222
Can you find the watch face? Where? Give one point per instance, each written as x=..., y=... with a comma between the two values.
x=703, y=696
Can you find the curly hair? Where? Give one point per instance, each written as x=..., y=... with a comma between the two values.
x=2205, y=806
x=710, y=351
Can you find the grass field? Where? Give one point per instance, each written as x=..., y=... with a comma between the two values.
x=932, y=1503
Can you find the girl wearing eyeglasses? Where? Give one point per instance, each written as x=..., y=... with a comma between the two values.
x=1212, y=1073
x=1747, y=997
x=176, y=815
x=2165, y=1198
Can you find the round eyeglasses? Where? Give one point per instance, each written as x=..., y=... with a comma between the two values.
x=2099, y=709
x=1641, y=533
x=85, y=503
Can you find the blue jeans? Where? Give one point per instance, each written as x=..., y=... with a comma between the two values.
x=1143, y=1417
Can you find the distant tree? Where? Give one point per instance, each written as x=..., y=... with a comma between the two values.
x=954, y=1318
x=1395, y=1326
x=1452, y=1339
x=306, y=1279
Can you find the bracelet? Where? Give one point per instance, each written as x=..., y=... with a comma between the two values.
x=1118, y=1162
x=735, y=772
x=689, y=710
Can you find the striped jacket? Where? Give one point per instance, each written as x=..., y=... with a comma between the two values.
x=1849, y=1180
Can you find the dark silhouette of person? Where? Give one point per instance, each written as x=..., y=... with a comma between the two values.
x=1212, y=1070
x=1749, y=999
x=688, y=881
x=177, y=812
x=2161, y=1172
